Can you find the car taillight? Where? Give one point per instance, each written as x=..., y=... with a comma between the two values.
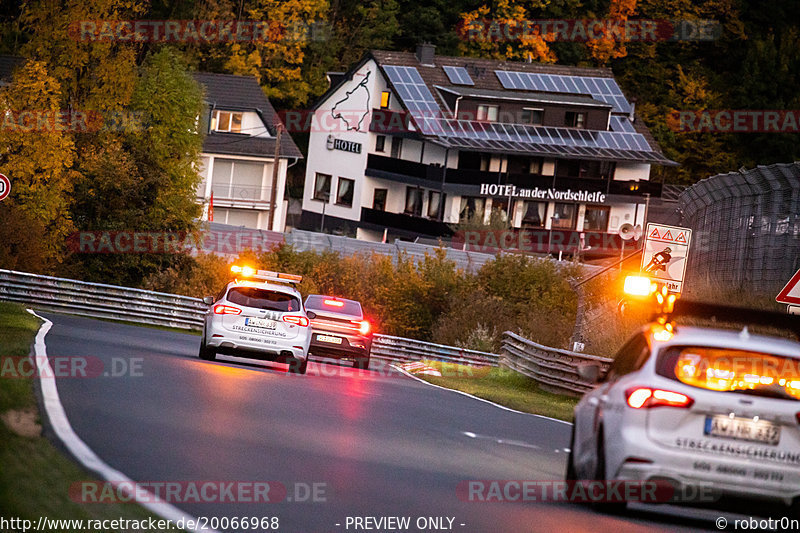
x=645, y=397
x=294, y=319
x=363, y=326
x=226, y=310
x=798, y=418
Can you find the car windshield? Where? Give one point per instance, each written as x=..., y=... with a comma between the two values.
x=729, y=370
x=317, y=302
x=263, y=299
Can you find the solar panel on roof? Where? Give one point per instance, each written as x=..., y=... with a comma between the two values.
x=458, y=75
x=604, y=89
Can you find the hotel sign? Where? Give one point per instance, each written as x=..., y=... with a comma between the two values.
x=493, y=189
x=344, y=146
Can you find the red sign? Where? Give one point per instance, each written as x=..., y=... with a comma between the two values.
x=790, y=294
x=5, y=187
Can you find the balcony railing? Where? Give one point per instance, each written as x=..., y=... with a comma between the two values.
x=433, y=174
x=238, y=194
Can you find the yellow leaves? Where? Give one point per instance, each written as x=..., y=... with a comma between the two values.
x=612, y=44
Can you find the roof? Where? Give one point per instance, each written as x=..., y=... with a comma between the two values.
x=419, y=90
x=526, y=96
x=242, y=93
x=7, y=66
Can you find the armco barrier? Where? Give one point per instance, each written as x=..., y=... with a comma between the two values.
x=112, y=302
x=554, y=369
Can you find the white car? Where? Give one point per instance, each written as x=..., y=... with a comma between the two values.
x=259, y=315
x=708, y=411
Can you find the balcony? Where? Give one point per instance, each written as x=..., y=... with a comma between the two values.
x=430, y=176
x=235, y=195
x=406, y=223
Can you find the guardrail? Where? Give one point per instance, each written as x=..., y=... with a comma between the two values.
x=554, y=369
x=98, y=300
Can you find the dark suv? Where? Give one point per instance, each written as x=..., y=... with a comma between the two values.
x=339, y=330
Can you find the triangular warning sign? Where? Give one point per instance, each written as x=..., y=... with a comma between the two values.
x=681, y=238
x=667, y=236
x=654, y=234
x=790, y=294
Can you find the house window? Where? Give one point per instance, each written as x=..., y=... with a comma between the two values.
x=472, y=207
x=564, y=216
x=397, y=147
x=596, y=218
x=344, y=192
x=487, y=113
x=380, y=143
x=534, y=214
x=322, y=187
x=532, y=116
x=434, y=197
x=226, y=121
x=385, y=98
x=573, y=119
x=413, y=201
x=379, y=199
x=535, y=166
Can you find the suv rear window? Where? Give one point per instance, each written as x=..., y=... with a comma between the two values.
x=727, y=370
x=263, y=299
x=347, y=307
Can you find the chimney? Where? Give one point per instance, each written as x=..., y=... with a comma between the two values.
x=425, y=53
x=631, y=115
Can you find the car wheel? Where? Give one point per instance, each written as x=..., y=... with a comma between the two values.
x=571, y=474
x=297, y=366
x=361, y=363
x=207, y=353
x=600, y=475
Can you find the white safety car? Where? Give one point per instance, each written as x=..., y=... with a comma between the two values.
x=258, y=315
x=712, y=412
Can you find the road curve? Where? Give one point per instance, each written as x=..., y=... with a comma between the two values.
x=381, y=444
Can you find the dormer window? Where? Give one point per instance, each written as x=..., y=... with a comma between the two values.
x=487, y=113
x=574, y=119
x=227, y=121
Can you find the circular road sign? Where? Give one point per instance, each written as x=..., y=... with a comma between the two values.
x=5, y=187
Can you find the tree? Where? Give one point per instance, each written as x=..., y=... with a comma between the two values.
x=38, y=155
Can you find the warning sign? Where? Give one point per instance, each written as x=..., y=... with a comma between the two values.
x=790, y=294
x=664, y=254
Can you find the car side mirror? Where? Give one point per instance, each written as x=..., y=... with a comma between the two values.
x=208, y=300
x=590, y=372
x=311, y=315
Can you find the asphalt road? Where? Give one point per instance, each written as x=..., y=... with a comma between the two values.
x=376, y=442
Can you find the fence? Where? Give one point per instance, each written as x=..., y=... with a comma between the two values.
x=555, y=370
x=746, y=227
x=112, y=302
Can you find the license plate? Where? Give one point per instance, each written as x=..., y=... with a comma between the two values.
x=328, y=338
x=260, y=323
x=743, y=429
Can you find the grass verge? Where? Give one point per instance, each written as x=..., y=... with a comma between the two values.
x=35, y=477
x=503, y=386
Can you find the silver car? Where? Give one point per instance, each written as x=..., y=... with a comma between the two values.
x=709, y=411
x=259, y=315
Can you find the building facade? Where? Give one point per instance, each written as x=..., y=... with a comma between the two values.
x=239, y=154
x=419, y=145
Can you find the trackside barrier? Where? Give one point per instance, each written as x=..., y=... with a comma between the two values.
x=98, y=300
x=554, y=369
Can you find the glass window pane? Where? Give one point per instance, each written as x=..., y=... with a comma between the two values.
x=379, y=200
x=322, y=187
x=564, y=216
x=236, y=122
x=344, y=195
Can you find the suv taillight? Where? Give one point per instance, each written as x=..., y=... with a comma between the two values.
x=297, y=320
x=226, y=310
x=645, y=398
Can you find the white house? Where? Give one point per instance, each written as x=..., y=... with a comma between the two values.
x=239, y=153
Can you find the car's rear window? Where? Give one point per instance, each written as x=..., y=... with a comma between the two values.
x=264, y=299
x=326, y=303
x=728, y=370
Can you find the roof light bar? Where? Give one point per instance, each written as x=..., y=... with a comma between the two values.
x=265, y=275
